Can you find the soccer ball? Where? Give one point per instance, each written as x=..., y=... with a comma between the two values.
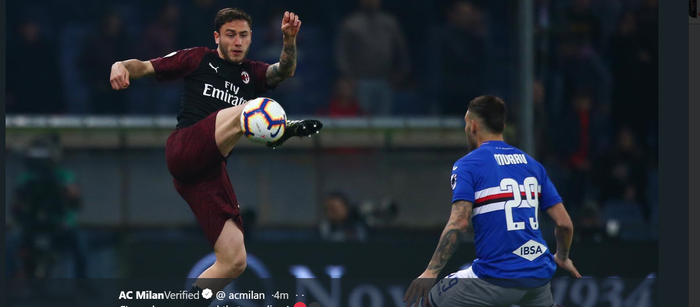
x=263, y=120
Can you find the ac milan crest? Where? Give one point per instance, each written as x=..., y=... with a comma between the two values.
x=245, y=77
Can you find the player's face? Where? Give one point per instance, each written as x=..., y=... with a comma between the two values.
x=234, y=39
x=470, y=131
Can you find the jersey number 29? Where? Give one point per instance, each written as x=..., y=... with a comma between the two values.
x=530, y=187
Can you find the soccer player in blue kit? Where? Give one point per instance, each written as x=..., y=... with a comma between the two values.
x=501, y=190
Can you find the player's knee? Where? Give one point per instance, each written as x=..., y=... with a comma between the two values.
x=234, y=266
x=237, y=267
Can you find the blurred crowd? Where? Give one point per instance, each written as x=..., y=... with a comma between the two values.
x=42, y=232
x=595, y=91
x=597, y=104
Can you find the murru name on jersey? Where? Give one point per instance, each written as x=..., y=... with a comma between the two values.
x=224, y=95
x=510, y=159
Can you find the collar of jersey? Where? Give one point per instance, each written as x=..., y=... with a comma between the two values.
x=493, y=142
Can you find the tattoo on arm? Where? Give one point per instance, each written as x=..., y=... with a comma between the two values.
x=564, y=238
x=461, y=213
x=447, y=246
x=283, y=70
x=273, y=76
x=563, y=253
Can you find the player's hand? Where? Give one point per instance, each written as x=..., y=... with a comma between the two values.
x=567, y=265
x=290, y=25
x=119, y=78
x=419, y=289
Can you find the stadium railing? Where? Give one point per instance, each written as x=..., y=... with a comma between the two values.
x=152, y=131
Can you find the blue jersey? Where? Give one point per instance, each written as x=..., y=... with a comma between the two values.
x=509, y=191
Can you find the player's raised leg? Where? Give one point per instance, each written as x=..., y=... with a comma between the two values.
x=229, y=130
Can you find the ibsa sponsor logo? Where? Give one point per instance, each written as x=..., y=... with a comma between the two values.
x=531, y=250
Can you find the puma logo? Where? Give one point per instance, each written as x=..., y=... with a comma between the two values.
x=216, y=69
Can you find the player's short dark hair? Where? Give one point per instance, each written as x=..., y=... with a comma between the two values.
x=230, y=14
x=491, y=110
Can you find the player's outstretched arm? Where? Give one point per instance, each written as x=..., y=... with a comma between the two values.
x=564, y=233
x=284, y=69
x=127, y=70
x=449, y=240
